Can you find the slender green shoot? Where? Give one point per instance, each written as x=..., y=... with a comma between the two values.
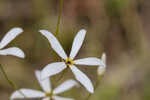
x=12, y=84
x=59, y=17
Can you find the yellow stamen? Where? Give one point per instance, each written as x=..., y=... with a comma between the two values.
x=69, y=62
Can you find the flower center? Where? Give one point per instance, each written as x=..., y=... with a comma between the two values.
x=49, y=94
x=69, y=62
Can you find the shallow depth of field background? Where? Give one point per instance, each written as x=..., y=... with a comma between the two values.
x=120, y=28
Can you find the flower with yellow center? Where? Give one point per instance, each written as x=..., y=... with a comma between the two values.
x=57, y=67
x=47, y=93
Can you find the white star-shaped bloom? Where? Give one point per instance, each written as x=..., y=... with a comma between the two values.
x=102, y=68
x=47, y=93
x=10, y=35
x=55, y=68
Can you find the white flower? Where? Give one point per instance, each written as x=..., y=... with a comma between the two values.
x=102, y=68
x=12, y=34
x=55, y=68
x=47, y=93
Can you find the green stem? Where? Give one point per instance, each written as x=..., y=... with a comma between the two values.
x=8, y=80
x=59, y=17
x=59, y=79
x=12, y=84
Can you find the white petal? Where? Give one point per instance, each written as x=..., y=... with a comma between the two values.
x=65, y=86
x=14, y=51
x=27, y=93
x=61, y=98
x=89, y=61
x=77, y=43
x=53, y=69
x=47, y=98
x=10, y=35
x=54, y=43
x=104, y=58
x=83, y=79
x=101, y=70
x=45, y=84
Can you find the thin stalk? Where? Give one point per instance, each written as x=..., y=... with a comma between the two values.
x=59, y=16
x=65, y=71
x=12, y=84
x=57, y=31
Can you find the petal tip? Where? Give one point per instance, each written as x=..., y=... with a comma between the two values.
x=83, y=31
x=18, y=29
x=43, y=31
x=91, y=91
x=21, y=55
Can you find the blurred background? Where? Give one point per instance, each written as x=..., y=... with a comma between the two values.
x=118, y=27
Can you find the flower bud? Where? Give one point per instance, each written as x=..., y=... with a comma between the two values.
x=101, y=69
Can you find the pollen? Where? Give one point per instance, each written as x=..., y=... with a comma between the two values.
x=69, y=62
